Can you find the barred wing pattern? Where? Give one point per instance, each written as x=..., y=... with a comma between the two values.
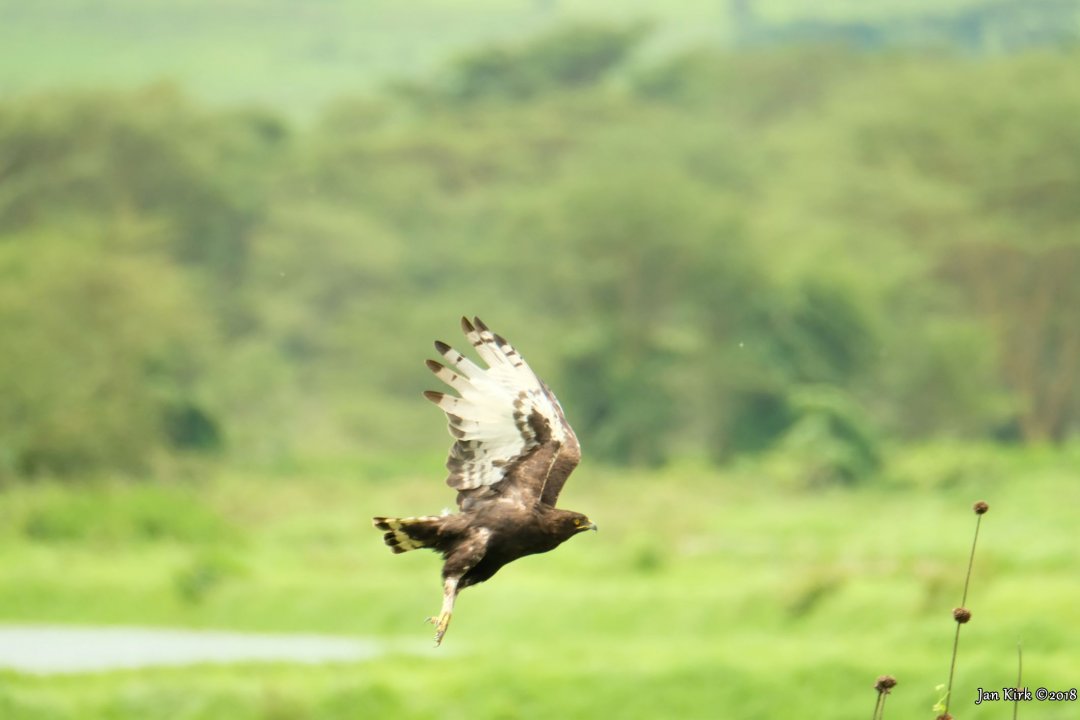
x=502, y=416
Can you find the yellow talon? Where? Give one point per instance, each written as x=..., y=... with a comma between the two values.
x=441, y=623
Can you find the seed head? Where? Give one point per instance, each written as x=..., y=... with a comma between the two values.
x=961, y=615
x=885, y=683
x=980, y=507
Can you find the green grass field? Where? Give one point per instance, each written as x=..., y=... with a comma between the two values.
x=703, y=595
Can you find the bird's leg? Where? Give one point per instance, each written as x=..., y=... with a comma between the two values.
x=443, y=621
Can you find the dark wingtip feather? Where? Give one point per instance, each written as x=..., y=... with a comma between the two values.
x=466, y=326
x=479, y=324
x=441, y=347
x=380, y=523
x=392, y=542
x=434, y=396
x=434, y=366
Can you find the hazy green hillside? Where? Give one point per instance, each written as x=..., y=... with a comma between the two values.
x=296, y=56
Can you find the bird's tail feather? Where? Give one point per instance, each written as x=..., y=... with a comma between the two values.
x=412, y=533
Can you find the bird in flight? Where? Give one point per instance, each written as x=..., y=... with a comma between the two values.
x=512, y=453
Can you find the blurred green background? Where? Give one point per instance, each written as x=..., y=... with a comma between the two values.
x=803, y=275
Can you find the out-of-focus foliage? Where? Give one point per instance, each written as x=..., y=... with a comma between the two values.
x=578, y=56
x=802, y=252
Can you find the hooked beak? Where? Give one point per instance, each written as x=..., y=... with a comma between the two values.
x=592, y=526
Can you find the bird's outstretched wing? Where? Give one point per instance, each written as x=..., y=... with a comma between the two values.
x=511, y=437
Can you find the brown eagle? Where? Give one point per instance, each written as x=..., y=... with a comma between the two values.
x=512, y=453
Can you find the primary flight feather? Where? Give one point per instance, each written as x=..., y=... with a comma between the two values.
x=513, y=450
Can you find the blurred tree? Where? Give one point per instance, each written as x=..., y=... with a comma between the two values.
x=828, y=442
x=100, y=362
x=1030, y=298
x=630, y=260
x=569, y=57
x=755, y=87
x=146, y=154
x=818, y=333
x=944, y=190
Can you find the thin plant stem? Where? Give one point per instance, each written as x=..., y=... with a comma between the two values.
x=963, y=604
x=877, y=706
x=971, y=560
x=952, y=668
x=1019, y=678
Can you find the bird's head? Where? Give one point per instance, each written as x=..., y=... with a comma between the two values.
x=570, y=523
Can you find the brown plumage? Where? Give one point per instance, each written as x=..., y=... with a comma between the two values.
x=512, y=453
